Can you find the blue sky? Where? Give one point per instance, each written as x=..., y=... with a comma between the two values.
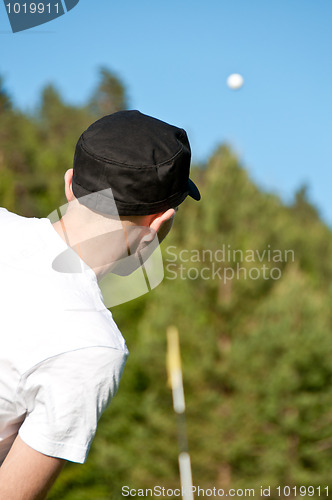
x=174, y=58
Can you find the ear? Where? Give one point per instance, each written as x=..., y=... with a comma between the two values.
x=68, y=185
x=159, y=219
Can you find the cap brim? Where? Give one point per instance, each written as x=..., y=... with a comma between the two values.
x=193, y=190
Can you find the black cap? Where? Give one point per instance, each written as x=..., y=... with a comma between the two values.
x=143, y=162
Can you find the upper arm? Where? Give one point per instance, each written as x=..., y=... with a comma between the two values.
x=64, y=398
x=27, y=474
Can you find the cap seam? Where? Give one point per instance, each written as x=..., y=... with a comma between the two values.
x=114, y=162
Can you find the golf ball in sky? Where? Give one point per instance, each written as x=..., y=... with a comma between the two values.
x=235, y=81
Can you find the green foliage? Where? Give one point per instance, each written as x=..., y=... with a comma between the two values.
x=109, y=97
x=256, y=352
x=5, y=100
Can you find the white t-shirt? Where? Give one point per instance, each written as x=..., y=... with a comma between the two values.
x=61, y=353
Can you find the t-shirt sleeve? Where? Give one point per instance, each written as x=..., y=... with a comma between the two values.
x=65, y=396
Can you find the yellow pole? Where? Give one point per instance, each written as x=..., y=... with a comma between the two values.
x=175, y=381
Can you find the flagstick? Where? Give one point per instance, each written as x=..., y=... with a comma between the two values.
x=175, y=380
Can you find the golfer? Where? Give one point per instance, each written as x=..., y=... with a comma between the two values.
x=61, y=353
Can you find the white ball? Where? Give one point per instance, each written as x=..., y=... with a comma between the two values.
x=235, y=81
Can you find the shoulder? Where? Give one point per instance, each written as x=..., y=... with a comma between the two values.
x=87, y=328
x=16, y=233
x=8, y=218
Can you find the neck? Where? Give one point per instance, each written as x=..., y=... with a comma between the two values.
x=102, y=243
x=99, y=246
